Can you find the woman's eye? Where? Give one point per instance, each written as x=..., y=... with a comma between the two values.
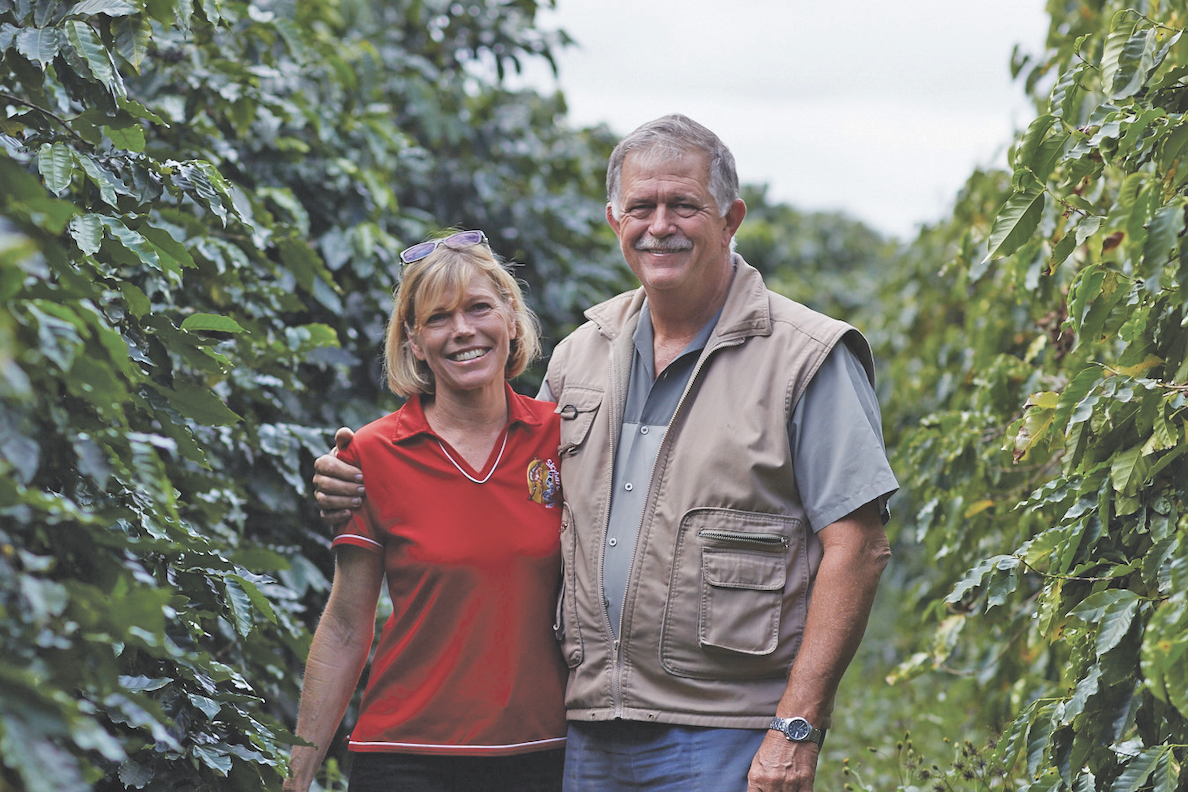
x=437, y=319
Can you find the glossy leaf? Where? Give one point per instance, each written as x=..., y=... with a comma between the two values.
x=56, y=163
x=1015, y=223
x=211, y=322
x=112, y=8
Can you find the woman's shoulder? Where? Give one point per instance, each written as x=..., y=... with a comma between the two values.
x=543, y=411
x=380, y=432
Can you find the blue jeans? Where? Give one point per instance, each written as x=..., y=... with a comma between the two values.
x=618, y=756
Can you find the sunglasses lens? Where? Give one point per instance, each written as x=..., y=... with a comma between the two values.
x=464, y=239
x=417, y=252
x=457, y=241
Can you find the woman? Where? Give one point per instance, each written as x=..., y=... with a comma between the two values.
x=462, y=516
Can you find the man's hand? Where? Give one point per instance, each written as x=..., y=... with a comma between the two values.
x=783, y=766
x=338, y=487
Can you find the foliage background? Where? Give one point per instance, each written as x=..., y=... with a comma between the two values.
x=200, y=206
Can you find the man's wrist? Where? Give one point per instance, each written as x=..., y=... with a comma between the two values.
x=798, y=729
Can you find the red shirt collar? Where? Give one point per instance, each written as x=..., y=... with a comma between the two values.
x=411, y=420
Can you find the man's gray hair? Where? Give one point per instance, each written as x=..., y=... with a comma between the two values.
x=668, y=138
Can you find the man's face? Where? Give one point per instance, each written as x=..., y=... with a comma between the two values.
x=669, y=227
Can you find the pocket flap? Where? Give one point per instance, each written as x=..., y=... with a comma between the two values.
x=742, y=570
x=577, y=408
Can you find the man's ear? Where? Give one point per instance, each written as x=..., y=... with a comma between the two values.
x=611, y=220
x=735, y=215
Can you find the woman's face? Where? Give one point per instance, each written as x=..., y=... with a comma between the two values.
x=465, y=339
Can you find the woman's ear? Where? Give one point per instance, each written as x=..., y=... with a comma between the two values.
x=418, y=353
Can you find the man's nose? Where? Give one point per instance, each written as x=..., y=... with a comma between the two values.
x=661, y=221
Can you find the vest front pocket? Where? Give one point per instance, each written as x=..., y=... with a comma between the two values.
x=735, y=603
x=740, y=600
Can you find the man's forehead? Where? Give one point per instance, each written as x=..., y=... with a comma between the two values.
x=688, y=167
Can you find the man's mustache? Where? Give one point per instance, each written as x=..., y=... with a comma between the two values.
x=670, y=244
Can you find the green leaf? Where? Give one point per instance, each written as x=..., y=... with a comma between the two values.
x=1038, y=739
x=128, y=138
x=108, y=184
x=134, y=297
x=173, y=253
x=204, y=189
x=257, y=599
x=1115, y=623
x=1136, y=771
x=1074, y=395
x=1037, y=421
x=1164, y=236
x=211, y=322
x=1163, y=779
x=302, y=261
x=56, y=164
x=1093, y=608
x=112, y=8
x=1031, y=142
x=1115, y=49
x=1128, y=470
x=136, y=244
x=143, y=684
x=199, y=404
x=1016, y=222
x=87, y=232
x=132, y=35
x=1066, y=92
x=240, y=605
x=1124, y=75
x=216, y=760
x=59, y=338
x=137, y=110
x=40, y=45
x=84, y=41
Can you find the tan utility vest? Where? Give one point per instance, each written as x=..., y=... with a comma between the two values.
x=723, y=568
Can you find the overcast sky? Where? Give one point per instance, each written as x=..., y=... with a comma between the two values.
x=875, y=108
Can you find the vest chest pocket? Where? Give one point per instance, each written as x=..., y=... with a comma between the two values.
x=740, y=599
x=578, y=408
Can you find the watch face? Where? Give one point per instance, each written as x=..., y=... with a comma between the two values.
x=798, y=729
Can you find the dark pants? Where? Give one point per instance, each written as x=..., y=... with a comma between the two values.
x=386, y=772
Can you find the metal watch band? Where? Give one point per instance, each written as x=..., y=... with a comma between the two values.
x=797, y=729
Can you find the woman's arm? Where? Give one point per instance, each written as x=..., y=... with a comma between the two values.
x=336, y=659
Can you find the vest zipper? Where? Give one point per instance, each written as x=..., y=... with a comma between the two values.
x=616, y=666
x=764, y=539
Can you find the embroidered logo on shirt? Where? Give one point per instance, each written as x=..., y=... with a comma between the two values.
x=544, y=482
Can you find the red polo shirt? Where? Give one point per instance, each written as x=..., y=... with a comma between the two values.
x=468, y=663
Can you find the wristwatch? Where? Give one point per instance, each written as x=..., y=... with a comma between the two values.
x=798, y=730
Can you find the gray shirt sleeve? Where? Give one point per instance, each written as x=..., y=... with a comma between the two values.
x=545, y=393
x=836, y=438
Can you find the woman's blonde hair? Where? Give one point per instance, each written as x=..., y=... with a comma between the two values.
x=444, y=275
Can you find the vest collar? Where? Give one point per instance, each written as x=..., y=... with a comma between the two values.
x=746, y=312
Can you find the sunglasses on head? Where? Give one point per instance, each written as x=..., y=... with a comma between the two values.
x=462, y=239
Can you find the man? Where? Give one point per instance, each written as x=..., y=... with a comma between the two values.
x=722, y=460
